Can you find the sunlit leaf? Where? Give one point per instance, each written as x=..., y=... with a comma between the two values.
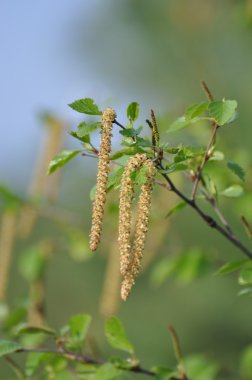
x=196, y=110
x=116, y=336
x=85, y=129
x=200, y=368
x=61, y=159
x=86, y=106
x=236, y=169
x=245, y=277
x=232, y=266
x=183, y=122
x=133, y=111
x=107, y=372
x=222, y=110
x=217, y=156
x=79, y=325
x=233, y=191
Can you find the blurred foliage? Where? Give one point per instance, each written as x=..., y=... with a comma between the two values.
x=158, y=52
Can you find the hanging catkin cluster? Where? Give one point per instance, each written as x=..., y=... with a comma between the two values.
x=108, y=116
x=130, y=258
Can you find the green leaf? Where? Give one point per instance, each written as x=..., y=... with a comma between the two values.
x=107, y=372
x=85, y=139
x=195, y=110
x=200, y=368
x=116, y=336
x=133, y=111
x=9, y=197
x=236, y=169
x=164, y=373
x=183, y=122
x=233, y=191
x=222, y=110
x=85, y=129
x=245, y=277
x=61, y=159
x=86, y=106
x=246, y=363
x=32, y=263
x=124, y=152
x=78, y=326
x=26, y=329
x=8, y=347
x=33, y=362
x=140, y=176
x=180, y=206
x=131, y=132
x=232, y=266
x=114, y=179
x=217, y=156
x=245, y=291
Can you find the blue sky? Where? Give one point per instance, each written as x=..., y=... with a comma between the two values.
x=38, y=72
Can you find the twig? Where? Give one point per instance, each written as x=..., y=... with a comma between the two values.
x=119, y=125
x=204, y=160
x=209, y=146
x=208, y=219
x=82, y=358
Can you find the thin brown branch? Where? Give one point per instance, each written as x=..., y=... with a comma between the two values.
x=207, y=218
x=204, y=160
x=211, y=142
x=85, y=359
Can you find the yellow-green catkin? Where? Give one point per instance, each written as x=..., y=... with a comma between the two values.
x=125, y=216
x=131, y=258
x=108, y=116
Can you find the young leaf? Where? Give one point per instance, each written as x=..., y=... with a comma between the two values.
x=183, y=122
x=164, y=373
x=217, y=156
x=133, y=111
x=232, y=266
x=245, y=277
x=222, y=110
x=78, y=326
x=61, y=159
x=196, y=110
x=246, y=363
x=233, y=191
x=245, y=291
x=131, y=132
x=236, y=169
x=8, y=347
x=26, y=329
x=116, y=336
x=107, y=372
x=85, y=129
x=32, y=263
x=176, y=208
x=201, y=368
x=86, y=106
x=33, y=362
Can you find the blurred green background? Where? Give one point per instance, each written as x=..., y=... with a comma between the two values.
x=116, y=52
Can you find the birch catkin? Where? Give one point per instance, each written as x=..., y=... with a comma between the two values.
x=126, y=196
x=130, y=259
x=108, y=116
